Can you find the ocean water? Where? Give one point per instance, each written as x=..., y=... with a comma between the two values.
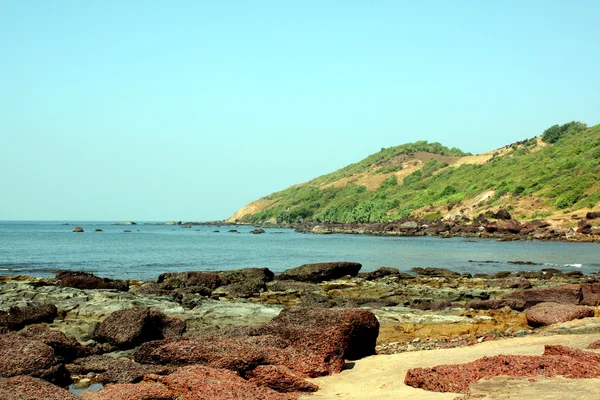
x=42, y=248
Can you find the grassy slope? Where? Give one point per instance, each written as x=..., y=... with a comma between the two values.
x=558, y=177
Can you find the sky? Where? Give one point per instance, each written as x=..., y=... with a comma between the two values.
x=188, y=110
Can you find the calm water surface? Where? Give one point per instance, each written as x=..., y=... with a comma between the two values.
x=42, y=248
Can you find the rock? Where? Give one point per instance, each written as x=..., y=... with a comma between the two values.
x=544, y=314
x=513, y=283
x=131, y=327
x=86, y=280
x=439, y=272
x=592, y=215
x=241, y=290
x=310, y=342
x=113, y=370
x=65, y=348
x=502, y=214
x=28, y=388
x=24, y=356
x=280, y=379
x=379, y=273
x=177, y=280
x=321, y=272
x=141, y=391
x=97, y=230
x=587, y=294
x=432, y=305
x=584, y=227
x=496, y=304
x=17, y=317
x=257, y=231
x=556, y=360
x=78, y=229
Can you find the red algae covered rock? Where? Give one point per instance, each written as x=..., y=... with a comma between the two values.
x=201, y=383
x=28, y=388
x=85, y=280
x=141, y=391
x=113, y=370
x=556, y=360
x=24, y=356
x=131, y=327
x=543, y=314
x=280, y=379
x=65, y=348
x=310, y=342
x=356, y=329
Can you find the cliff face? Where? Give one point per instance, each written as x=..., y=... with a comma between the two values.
x=553, y=176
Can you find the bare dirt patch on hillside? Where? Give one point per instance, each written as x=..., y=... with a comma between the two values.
x=251, y=208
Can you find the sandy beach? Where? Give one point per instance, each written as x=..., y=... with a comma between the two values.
x=382, y=376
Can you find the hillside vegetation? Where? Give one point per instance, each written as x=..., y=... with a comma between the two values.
x=555, y=173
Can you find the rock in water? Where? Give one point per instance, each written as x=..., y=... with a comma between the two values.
x=78, y=229
x=321, y=272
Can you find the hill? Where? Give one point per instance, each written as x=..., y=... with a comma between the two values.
x=549, y=176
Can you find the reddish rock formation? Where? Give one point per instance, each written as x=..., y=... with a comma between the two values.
x=112, y=370
x=280, y=379
x=129, y=328
x=587, y=294
x=17, y=317
x=556, y=360
x=190, y=383
x=141, y=391
x=321, y=272
x=495, y=304
x=28, y=388
x=24, y=356
x=310, y=342
x=543, y=314
x=65, y=348
x=513, y=283
x=85, y=280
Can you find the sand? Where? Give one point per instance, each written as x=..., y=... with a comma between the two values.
x=382, y=376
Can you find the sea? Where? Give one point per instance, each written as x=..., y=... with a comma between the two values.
x=40, y=248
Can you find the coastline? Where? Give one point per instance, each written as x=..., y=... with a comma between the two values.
x=429, y=309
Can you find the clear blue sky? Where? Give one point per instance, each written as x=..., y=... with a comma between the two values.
x=161, y=110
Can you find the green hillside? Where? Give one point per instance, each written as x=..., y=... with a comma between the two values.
x=554, y=174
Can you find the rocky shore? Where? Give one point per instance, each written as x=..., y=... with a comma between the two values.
x=254, y=335
x=499, y=225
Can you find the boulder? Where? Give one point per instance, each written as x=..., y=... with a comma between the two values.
x=177, y=280
x=25, y=356
x=437, y=272
x=257, y=231
x=280, y=379
x=512, y=283
x=496, y=304
x=587, y=294
x=78, y=229
x=310, y=342
x=28, y=388
x=141, y=391
x=502, y=214
x=113, y=370
x=321, y=272
x=544, y=314
x=592, y=215
x=379, y=273
x=17, y=317
x=65, y=348
x=86, y=280
x=131, y=327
